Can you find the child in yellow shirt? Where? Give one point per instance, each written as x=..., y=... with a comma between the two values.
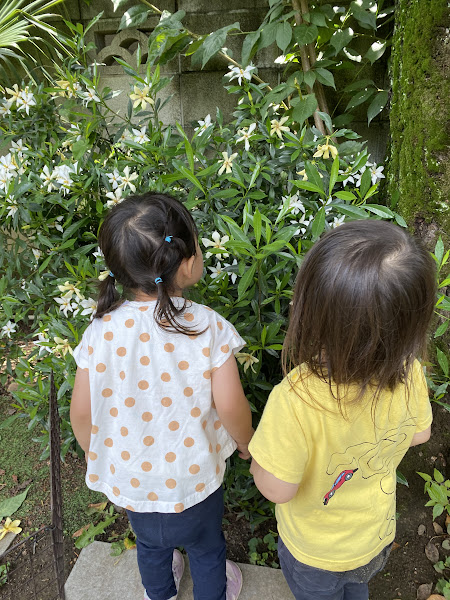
x=335, y=429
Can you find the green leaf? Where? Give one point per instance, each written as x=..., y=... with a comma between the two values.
x=249, y=46
x=215, y=42
x=318, y=224
x=340, y=39
x=377, y=105
x=246, y=280
x=305, y=34
x=333, y=174
x=9, y=506
x=348, y=196
x=307, y=185
x=326, y=119
x=439, y=250
x=350, y=211
x=359, y=98
x=268, y=35
x=401, y=478
x=325, y=77
x=304, y=108
x=364, y=17
x=441, y=329
x=376, y=51
x=443, y=361
x=79, y=148
x=438, y=476
x=284, y=35
x=438, y=509
x=381, y=211
x=134, y=16
x=257, y=226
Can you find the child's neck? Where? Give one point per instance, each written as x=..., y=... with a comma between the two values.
x=140, y=296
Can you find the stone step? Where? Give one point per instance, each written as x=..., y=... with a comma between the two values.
x=99, y=576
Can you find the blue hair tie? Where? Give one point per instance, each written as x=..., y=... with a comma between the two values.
x=111, y=274
x=168, y=238
x=158, y=280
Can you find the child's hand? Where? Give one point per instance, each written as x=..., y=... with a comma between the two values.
x=243, y=451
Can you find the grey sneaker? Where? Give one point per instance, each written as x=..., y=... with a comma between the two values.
x=177, y=570
x=234, y=580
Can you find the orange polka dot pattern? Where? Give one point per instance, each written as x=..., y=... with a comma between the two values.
x=156, y=439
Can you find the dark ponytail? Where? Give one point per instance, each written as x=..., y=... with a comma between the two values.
x=108, y=297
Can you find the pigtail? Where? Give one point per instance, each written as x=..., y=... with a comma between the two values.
x=108, y=297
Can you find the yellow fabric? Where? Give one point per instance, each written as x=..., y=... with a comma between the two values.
x=301, y=443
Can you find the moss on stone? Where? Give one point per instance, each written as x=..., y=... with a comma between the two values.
x=419, y=167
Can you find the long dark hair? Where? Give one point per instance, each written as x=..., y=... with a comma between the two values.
x=363, y=301
x=133, y=241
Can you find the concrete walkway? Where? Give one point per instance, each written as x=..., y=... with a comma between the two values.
x=99, y=576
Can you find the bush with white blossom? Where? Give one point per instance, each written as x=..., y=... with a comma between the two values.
x=262, y=189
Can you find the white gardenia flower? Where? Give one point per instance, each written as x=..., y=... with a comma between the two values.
x=5, y=177
x=89, y=95
x=18, y=146
x=140, y=137
x=246, y=134
x=8, y=163
x=127, y=178
x=57, y=224
x=247, y=360
x=216, y=271
x=232, y=274
x=36, y=253
x=115, y=179
x=277, y=127
x=203, y=125
x=9, y=328
x=48, y=178
x=240, y=74
x=295, y=204
x=98, y=253
x=12, y=208
x=216, y=242
x=337, y=221
x=303, y=222
x=89, y=306
x=42, y=339
x=24, y=101
x=70, y=289
x=65, y=303
x=227, y=163
x=376, y=173
x=114, y=198
x=5, y=107
x=64, y=176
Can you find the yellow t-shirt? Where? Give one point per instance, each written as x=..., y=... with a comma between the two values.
x=343, y=514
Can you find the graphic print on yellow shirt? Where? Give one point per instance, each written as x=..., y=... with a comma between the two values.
x=346, y=468
x=157, y=443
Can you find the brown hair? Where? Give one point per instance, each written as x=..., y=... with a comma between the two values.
x=133, y=241
x=363, y=301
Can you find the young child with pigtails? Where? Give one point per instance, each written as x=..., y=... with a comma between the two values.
x=157, y=404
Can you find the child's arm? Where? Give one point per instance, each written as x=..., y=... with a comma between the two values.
x=80, y=409
x=421, y=437
x=271, y=487
x=232, y=405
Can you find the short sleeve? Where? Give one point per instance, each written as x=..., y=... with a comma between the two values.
x=225, y=341
x=81, y=352
x=279, y=445
x=419, y=393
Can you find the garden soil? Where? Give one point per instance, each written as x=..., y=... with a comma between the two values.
x=407, y=569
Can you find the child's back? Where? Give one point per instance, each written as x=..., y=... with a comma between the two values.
x=157, y=443
x=344, y=512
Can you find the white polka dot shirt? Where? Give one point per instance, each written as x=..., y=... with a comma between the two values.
x=157, y=444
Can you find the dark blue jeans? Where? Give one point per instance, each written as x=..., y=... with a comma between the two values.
x=199, y=531
x=309, y=583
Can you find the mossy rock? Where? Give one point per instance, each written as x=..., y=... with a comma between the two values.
x=419, y=170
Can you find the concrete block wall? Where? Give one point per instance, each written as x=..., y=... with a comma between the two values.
x=195, y=92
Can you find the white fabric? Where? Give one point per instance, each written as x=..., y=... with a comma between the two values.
x=157, y=443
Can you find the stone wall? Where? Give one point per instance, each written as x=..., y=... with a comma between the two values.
x=195, y=92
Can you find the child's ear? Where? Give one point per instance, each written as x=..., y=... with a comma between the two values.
x=187, y=266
